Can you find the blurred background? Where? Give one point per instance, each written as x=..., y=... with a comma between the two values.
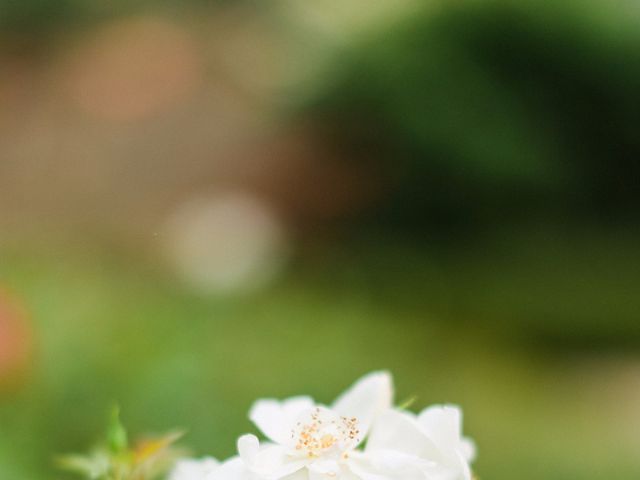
x=206, y=202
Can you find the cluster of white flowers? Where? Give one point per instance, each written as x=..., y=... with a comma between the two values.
x=361, y=436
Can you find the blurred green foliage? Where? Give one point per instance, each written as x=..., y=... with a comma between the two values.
x=35, y=21
x=499, y=271
x=115, y=459
x=487, y=113
x=110, y=328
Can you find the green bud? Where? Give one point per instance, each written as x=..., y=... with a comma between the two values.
x=116, y=433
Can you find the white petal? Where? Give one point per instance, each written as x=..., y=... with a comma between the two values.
x=443, y=424
x=232, y=469
x=454, y=469
x=330, y=468
x=468, y=449
x=464, y=467
x=369, y=396
x=398, y=430
x=386, y=465
x=283, y=466
x=193, y=469
x=276, y=419
x=271, y=461
x=301, y=474
x=248, y=447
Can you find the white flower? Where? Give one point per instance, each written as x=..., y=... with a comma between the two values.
x=309, y=440
x=431, y=442
x=193, y=469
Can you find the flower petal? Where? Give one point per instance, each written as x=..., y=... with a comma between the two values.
x=387, y=465
x=193, y=469
x=276, y=419
x=399, y=431
x=330, y=470
x=267, y=461
x=443, y=424
x=464, y=467
x=231, y=469
x=368, y=397
x=468, y=449
x=248, y=448
x=329, y=467
x=301, y=474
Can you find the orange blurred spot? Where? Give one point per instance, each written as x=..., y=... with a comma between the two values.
x=15, y=338
x=147, y=449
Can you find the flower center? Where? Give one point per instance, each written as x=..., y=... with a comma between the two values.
x=323, y=431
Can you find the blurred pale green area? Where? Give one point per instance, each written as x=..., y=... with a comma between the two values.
x=110, y=328
x=496, y=265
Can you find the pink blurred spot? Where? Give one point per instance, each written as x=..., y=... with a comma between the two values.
x=134, y=68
